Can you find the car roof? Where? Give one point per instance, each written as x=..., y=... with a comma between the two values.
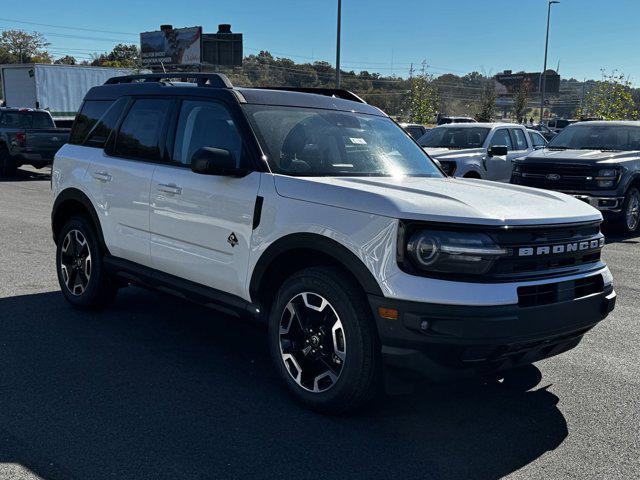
x=21, y=109
x=258, y=96
x=479, y=124
x=615, y=123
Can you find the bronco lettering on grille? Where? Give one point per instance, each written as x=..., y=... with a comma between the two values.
x=561, y=248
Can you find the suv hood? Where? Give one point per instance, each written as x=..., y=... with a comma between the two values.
x=583, y=156
x=448, y=200
x=453, y=154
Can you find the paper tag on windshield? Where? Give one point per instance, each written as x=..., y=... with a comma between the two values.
x=358, y=141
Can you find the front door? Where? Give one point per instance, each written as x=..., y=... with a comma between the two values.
x=201, y=225
x=499, y=167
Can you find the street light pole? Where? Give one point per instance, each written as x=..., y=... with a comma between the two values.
x=543, y=75
x=338, y=45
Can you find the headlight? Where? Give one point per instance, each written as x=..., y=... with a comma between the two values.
x=607, y=177
x=453, y=252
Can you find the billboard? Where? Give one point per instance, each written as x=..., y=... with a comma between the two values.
x=172, y=46
x=222, y=48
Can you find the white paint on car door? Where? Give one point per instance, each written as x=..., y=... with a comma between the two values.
x=201, y=225
x=498, y=167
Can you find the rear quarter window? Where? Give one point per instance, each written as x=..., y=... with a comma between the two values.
x=90, y=113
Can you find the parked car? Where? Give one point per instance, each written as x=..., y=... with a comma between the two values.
x=598, y=162
x=478, y=150
x=414, y=129
x=28, y=137
x=558, y=124
x=443, y=120
x=537, y=140
x=545, y=131
x=318, y=215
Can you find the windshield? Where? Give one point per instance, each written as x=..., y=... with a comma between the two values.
x=313, y=142
x=452, y=137
x=598, y=137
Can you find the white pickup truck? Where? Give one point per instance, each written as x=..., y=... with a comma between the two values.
x=480, y=150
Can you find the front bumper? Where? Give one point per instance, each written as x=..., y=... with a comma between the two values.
x=448, y=341
x=604, y=204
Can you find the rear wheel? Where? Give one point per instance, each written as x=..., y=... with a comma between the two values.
x=7, y=167
x=81, y=274
x=323, y=341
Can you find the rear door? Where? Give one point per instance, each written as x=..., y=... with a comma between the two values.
x=498, y=167
x=201, y=225
x=121, y=175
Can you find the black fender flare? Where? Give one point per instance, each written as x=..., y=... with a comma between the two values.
x=320, y=243
x=77, y=196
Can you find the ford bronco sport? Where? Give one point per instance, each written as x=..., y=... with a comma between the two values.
x=319, y=215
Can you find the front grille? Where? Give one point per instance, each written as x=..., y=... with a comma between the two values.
x=536, y=295
x=515, y=266
x=557, y=176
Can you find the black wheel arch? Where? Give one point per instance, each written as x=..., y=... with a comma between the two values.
x=294, y=252
x=72, y=201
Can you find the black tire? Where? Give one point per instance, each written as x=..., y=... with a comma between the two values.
x=7, y=167
x=359, y=377
x=99, y=290
x=623, y=222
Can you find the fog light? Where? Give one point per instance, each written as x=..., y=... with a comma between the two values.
x=388, y=313
x=424, y=325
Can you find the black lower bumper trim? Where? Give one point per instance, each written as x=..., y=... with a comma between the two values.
x=442, y=341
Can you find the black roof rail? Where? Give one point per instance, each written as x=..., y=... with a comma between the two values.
x=328, y=92
x=216, y=80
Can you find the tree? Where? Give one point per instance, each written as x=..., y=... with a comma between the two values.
x=66, y=60
x=487, y=102
x=19, y=46
x=122, y=56
x=423, y=98
x=611, y=99
x=521, y=99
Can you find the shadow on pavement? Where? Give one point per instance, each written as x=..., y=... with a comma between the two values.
x=23, y=175
x=159, y=388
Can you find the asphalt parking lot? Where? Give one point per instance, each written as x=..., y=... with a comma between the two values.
x=157, y=388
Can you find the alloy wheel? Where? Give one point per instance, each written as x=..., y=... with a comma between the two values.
x=632, y=213
x=75, y=262
x=312, y=342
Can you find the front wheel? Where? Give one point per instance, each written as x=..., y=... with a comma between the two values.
x=630, y=217
x=323, y=341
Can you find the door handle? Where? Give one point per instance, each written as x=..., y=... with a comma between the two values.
x=101, y=176
x=168, y=188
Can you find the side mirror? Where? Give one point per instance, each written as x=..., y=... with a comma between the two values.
x=498, y=151
x=215, y=161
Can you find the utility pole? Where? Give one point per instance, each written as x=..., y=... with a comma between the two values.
x=543, y=75
x=338, y=45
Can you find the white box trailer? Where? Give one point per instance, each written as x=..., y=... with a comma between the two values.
x=57, y=88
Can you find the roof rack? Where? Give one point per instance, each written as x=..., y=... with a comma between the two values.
x=328, y=92
x=216, y=80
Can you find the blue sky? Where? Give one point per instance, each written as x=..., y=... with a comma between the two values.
x=385, y=36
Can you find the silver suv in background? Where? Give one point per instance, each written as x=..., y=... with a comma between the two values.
x=478, y=150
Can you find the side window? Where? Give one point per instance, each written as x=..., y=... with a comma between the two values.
x=501, y=137
x=537, y=140
x=519, y=139
x=139, y=135
x=86, y=119
x=205, y=124
x=101, y=131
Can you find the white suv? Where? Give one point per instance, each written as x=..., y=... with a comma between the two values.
x=478, y=150
x=319, y=215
